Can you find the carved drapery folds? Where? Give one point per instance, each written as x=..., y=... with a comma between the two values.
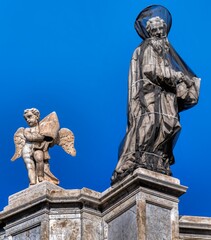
x=160, y=85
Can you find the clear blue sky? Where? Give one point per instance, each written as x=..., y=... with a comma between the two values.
x=73, y=57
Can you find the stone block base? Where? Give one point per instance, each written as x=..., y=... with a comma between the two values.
x=143, y=206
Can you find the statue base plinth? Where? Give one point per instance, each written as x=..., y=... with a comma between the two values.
x=142, y=206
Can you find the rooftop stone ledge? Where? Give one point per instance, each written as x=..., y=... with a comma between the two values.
x=154, y=180
x=195, y=222
x=48, y=189
x=194, y=227
x=51, y=193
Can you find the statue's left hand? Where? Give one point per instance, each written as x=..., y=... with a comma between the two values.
x=184, y=78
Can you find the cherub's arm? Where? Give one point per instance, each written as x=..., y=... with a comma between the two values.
x=33, y=136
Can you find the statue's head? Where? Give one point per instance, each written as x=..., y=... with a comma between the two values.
x=149, y=18
x=156, y=27
x=32, y=116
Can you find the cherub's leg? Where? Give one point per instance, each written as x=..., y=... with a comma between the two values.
x=30, y=168
x=39, y=159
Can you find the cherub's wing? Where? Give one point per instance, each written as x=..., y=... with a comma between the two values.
x=65, y=139
x=19, y=141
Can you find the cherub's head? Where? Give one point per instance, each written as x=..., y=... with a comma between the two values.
x=156, y=27
x=32, y=116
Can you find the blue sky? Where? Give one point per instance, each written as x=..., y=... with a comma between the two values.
x=73, y=57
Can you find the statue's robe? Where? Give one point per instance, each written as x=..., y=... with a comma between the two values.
x=156, y=94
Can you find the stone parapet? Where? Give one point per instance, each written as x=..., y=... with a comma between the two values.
x=192, y=227
x=142, y=206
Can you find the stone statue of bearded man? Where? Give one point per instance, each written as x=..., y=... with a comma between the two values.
x=160, y=86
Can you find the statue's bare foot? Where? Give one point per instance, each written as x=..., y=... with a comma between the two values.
x=40, y=179
x=32, y=184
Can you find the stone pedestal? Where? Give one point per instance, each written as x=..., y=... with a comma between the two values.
x=143, y=206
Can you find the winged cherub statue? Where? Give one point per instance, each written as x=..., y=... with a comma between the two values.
x=33, y=143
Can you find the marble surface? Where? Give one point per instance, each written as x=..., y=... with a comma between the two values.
x=158, y=223
x=31, y=234
x=124, y=226
x=143, y=206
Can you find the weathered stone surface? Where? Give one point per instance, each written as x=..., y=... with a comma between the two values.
x=65, y=229
x=192, y=227
x=156, y=189
x=46, y=191
x=150, y=204
x=158, y=222
x=142, y=204
x=32, y=195
x=92, y=227
x=31, y=234
x=124, y=226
